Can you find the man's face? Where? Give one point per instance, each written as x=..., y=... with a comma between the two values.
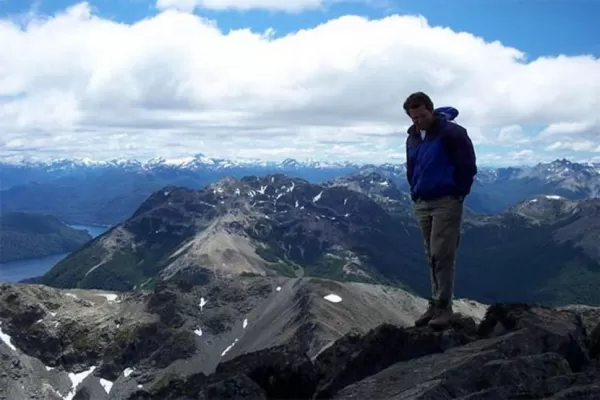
x=421, y=117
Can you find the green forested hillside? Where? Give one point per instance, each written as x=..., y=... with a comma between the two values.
x=26, y=235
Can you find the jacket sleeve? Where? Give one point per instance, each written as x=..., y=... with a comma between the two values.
x=462, y=154
x=409, y=167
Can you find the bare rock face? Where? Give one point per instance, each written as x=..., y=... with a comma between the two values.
x=73, y=343
x=277, y=338
x=517, y=351
x=266, y=226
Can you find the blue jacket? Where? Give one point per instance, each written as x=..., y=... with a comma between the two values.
x=443, y=164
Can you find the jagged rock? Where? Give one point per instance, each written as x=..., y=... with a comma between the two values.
x=125, y=339
x=239, y=387
x=561, y=332
x=355, y=357
x=520, y=345
x=304, y=338
x=282, y=372
x=518, y=351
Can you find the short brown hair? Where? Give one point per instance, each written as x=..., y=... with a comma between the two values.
x=417, y=100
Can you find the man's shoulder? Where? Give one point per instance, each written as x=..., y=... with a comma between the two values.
x=454, y=128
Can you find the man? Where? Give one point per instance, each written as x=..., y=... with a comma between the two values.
x=440, y=168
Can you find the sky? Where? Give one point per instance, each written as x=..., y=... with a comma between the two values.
x=304, y=79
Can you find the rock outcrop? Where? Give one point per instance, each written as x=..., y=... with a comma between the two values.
x=108, y=345
x=275, y=338
x=516, y=352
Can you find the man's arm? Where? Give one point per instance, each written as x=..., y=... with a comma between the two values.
x=461, y=152
x=409, y=166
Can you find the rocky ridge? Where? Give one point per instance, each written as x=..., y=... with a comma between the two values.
x=357, y=228
x=65, y=344
x=256, y=225
x=518, y=351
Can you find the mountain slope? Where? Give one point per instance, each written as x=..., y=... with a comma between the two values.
x=358, y=228
x=554, y=241
x=25, y=235
x=265, y=338
x=129, y=341
x=256, y=225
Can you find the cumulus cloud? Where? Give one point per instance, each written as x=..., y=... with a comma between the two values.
x=577, y=145
x=175, y=84
x=243, y=5
x=512, y=134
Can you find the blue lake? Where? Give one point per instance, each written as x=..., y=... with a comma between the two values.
x=16, y=271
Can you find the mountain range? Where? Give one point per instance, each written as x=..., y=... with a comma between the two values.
x=354, y=228
x=275, y=286
x=107, y=193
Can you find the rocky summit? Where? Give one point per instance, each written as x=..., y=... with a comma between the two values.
x=276, y=338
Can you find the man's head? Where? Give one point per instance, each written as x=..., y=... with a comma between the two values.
x=419, y=108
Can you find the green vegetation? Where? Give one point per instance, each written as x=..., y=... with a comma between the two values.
x=332, y=267
x=93, y=267
x=25, y=235
x=327, y=267
x=522, y=263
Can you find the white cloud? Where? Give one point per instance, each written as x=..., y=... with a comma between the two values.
x=512, y=134
x=578, y=145
x=515, y=157
x=589, y=126
x=243, y=5
x=174, y=84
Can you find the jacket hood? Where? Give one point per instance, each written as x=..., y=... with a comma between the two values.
x=444, y=113
x=449, y=113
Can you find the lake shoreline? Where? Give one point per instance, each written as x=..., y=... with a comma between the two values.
x=30, y=268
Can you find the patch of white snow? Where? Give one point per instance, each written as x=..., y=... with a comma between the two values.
x=76, y=380
x=71, y=295
x=127, y=372
x=109, y=296
x=334, y=298
x=318, y=197
x=278, y=288
x=107, y=385
x=202, y=303
x=245, y=324
x=229, y=347
x=6, y=339
x=198, y=332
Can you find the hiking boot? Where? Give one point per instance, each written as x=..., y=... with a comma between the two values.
x=441, y=318
x=427, y=315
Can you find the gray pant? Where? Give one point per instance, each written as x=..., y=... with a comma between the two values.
x=440, y=221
